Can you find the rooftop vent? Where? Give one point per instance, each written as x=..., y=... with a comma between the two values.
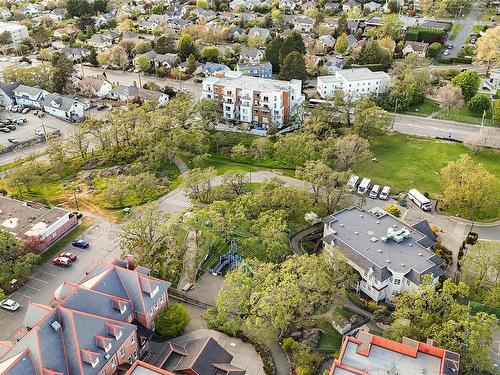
x=402, y=265
x=361, y=215
x=356, y=232
x=395, y=225
x=56, y=326
x=342, y=225
x=379, y=250
x=378, y=222
x=410, y=244
x=388, y=261
x=374, y=239
x=370, y=233
x=420, y=254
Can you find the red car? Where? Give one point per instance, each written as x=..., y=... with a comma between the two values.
x=61, y=261
x=69, y=255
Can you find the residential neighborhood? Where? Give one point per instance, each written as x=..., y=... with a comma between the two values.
x=249, y=187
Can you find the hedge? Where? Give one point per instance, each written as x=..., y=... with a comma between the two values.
x=424, y=34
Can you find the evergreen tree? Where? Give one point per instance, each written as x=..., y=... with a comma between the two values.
x=186, y=47
x=342, y=26
x=341, y=45
x=272, y=53
x=62, y=71
x=293, y=67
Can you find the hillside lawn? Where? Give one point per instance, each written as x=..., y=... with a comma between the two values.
x=406, y=162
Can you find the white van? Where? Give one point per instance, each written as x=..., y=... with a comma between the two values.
x=353, y=182
x=419, y=199
x=364, y=186
x=384, y=194
x=375, y=191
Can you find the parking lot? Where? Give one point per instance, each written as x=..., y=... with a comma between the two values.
x=41, y=285
x=26, y=131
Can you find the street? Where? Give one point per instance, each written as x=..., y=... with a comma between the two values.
x=429, y=127
x=40, y=287
x=460, y=39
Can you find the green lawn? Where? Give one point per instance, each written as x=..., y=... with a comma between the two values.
x=464, y=115
x=224, y=164
x=330, y=340
x=406, y=162
x=427, y=108
x=485, y=16
x=456, y=30
x=477, y=28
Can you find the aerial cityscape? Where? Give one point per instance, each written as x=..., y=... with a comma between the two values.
x=249, y=187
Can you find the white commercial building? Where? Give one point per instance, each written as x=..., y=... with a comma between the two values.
x=389, y=255
x=259, y=101
x=353, y=82
x=18, y=32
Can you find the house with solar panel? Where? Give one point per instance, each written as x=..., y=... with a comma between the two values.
x=389, y=255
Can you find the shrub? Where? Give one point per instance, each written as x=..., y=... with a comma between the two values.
x=172, y=320
x=303, y=371
x=479, y=103
x=393, y=210
x=434, y=49
x=289, y=344
x=435, y=228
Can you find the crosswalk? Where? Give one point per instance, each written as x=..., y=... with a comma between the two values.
x=176, y=202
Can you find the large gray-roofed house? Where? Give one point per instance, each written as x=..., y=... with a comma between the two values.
x=20, y=364
x=387, y=253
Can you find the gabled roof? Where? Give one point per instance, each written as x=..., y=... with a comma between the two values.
x=417, y=46
x=31, y=91
x=8, y=88
x=64, y=103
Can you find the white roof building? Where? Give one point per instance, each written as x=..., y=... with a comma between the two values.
x=353, y=82
x=17, y=31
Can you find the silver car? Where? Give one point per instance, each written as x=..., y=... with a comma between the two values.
x=9, y=304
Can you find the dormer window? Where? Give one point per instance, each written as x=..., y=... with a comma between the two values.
x=123, y=309
x=107, y=348
x=118, y=335
x=95, y=362
x=53, y=103
x=154, y=291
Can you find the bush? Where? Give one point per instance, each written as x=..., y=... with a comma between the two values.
x=393, y=210
x=434, y=49
x=479, y=103
x=172, y=320
x=289, y=345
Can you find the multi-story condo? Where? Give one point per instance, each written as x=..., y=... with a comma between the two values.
x=262, y=70
x=18, y=33
x=389, y=255
x=369, y=354
x=94, y=327
x=354, y=83
x=258, y=101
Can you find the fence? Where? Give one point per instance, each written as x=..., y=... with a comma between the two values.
x=182, y=296
x=29, y=142
x=476, y=307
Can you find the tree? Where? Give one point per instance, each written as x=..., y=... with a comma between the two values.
x=295, y=149
x=391, y=26
x=144, y=185
x=164, y=44
x=40, y=35
x=486, y=49
x=468, y=188
x=372, y=53
x=100, y=6
x=388, y=43
x=143, y=63
x=469, y=82
x=272, y=52
x=186, y=47
x=210, y=53
x=85, y=24
x=28, y=173
x=292, y=43
x=239, y=152
x=393, y=210
x=15, y=263
x=481, y=267
x=341, y=45
x=278, y=18
x=479, y=103
x=438, y=313
x=62, y=72
x=142, y=47
x=172, y=320
x=235, y=181
x=125, y=26
x=197, y=182
x=350, y=150
x=449, y=97
x=293, y=67
x=434, y=49
x=261, y=148
x=369, y=119
x=92, y=58
x=78, y=8
x=191, y=64
x=256, y=41
x=5, y=38
x=118, y=57
x=342, y=25
x=496, y=110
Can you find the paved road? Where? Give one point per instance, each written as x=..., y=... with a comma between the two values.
x=426, y=126
x=464, y=33
x=130, y=79
x=41, y=285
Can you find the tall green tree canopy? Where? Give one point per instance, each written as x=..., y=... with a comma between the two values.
x=293, y=67
x=469, y=82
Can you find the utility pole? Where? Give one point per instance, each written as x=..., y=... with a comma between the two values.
x=76, y=201
x=482, y=123
x=394, y=117
x=139, y=75
x=44, y=130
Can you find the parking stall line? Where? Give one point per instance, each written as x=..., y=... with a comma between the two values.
x=6, y=312
x=24, y=295
x=48, y=273
x=37, y=279
x=31, y=287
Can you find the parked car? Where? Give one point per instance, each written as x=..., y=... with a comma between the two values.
x=82, y=244
x=446, y=52
x=450, y=46
x=101, y=107
x=7, y=121
x=61, y=261
x=374, y=192
x=26, y=110
x=9, y=304
x=11, y=127
x=68, y=255
x=39, y=132
x=384, y=194
x=12, y=140
x=5, y=130
x=20, y=121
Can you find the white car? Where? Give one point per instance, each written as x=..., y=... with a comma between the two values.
x=9, y=304
x=446, y=53
x=39, y=132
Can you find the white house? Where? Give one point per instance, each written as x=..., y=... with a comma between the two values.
x=18, y=32
x=303, y=24
x=29, y=96
x=260, y=101
x=418, y=48
x=128, y=93
x=354, y=82
x=64, y=107
x=95, y=86
x=350, y=4
x=389, y=255
x=492, y=83
x=251, y=55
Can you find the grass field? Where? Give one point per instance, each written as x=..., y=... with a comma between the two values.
x=485, y=16
x=330, y=340
x=456, y=30
x=464, y=115
x=406, y=162
x=224, y=164
x=427, y=108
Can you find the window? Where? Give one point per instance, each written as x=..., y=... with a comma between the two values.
x=397, y=281
x=95, y=362
x=293, y=98
x=103, y=372
x=407, y=282
x=123, y=309
x=122, y=351
x=113, y=362
x=107, y=348
x=154, y=291
x=132, y=340
x=118, y=335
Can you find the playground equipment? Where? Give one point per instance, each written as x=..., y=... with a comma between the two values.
x=229, y=260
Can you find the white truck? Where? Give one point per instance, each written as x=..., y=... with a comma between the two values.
x=364, y=186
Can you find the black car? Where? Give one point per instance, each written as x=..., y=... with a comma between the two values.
x=101, y=107
x=4, y=130
x=11, y=127
x=7, y=121
x=82, y=244
x=12, y=140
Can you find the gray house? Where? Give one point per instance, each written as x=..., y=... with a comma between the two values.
x=262, y=70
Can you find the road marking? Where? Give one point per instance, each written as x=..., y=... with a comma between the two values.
x=7, y=312
x=32, y=287
x=24, y=295
x=37, y=279
x=48, y=273
x=179, y=203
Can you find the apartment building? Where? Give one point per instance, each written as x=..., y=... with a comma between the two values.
x=18, y=32
x=354, y=82
x=261, y=70
x=94, y=327
x=254, y=100
x=370, y=355
x=389, y=255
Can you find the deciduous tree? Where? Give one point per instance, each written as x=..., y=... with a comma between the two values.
x=341, y=45
x=469, y=82
x=350, y=150
x=486, y=50
x=449, y=97
x=197, y=182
